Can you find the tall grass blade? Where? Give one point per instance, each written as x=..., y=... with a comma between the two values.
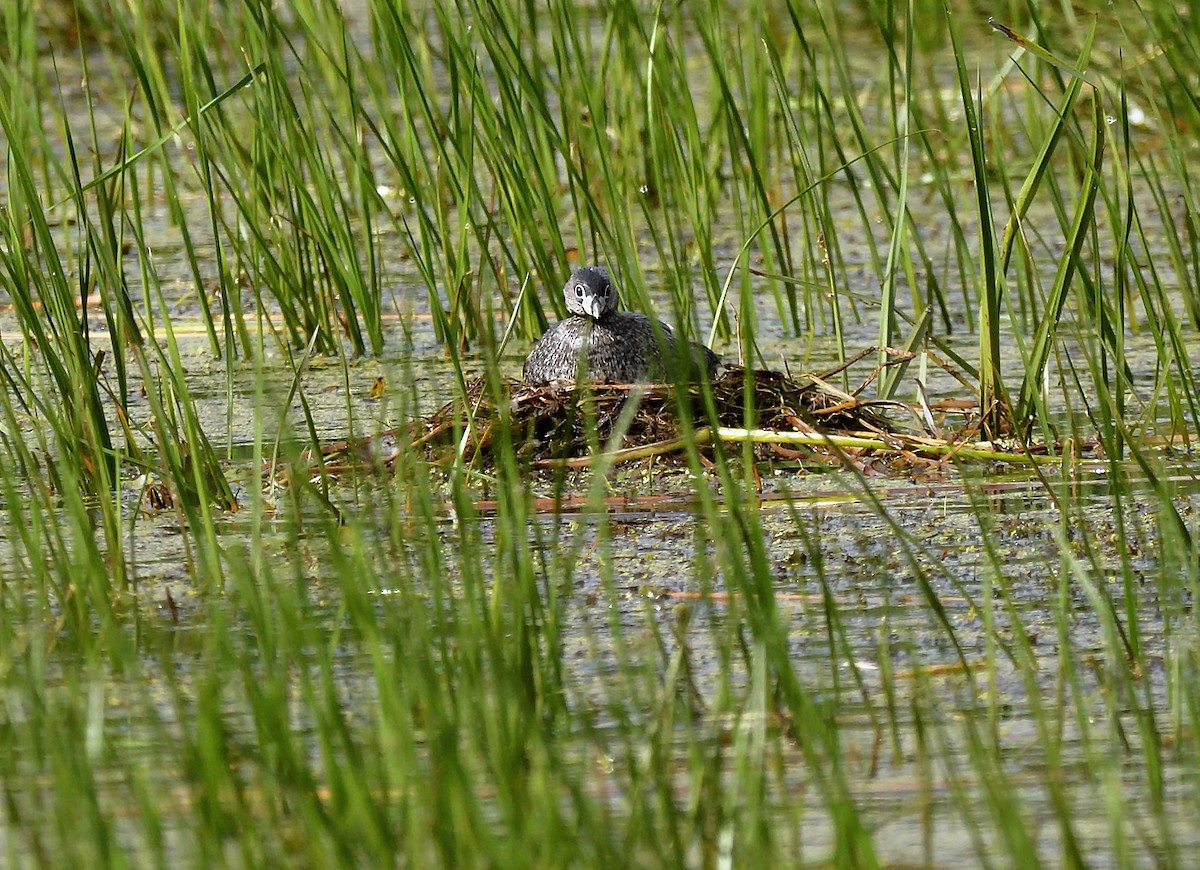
x=993, y=401
x=1047, y=330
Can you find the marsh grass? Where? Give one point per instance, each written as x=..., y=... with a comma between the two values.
x=424, y=669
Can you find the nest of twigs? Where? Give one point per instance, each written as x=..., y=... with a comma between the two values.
x=578, y=426
x=567, y=423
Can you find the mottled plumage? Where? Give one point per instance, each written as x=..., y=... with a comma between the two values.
x=619, y=346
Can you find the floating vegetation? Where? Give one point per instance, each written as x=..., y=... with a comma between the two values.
x=804, y=419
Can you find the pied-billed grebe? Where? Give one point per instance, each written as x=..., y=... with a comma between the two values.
x=617, y=346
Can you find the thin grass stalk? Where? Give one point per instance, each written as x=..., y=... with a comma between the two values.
x=821, y=218
x=1020, y=650
x=1175, y=379
x=116, y=302
x=354, y=238
x=883, y=178
x=681, y=178
x=1080, y=224
x=38, y=545
x=521, y=138
x=1123, y=226
x=1042, y=162
x=898, y=243
x=837, y=103
x=739, y=542
x=751, y=163
x=996, y=416
x=454, y=137
x=233, y=322
x=37, y=282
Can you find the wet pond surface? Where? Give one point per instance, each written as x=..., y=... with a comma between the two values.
x=901, y=620
x=931, y=614
x=888, y=610
x=895, y=612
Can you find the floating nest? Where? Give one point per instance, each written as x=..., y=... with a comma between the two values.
x=564, y=426
x=807, y=419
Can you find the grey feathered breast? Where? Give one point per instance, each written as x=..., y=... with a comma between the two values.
x=620, y=348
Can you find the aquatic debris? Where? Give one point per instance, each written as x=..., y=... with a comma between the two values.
x=796, y=420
